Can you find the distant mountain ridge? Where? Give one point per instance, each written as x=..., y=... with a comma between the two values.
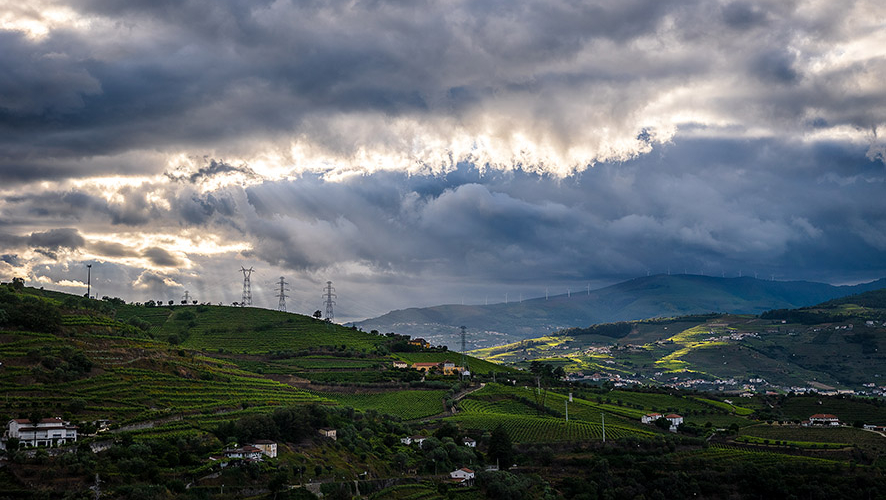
x=640, y=298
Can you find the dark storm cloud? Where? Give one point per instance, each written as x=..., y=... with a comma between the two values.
x=112, y=249
x=10, y=259
x=217, y=75
x=413, y=144
x=713, y=206
x=213, y=169
x=161, y=257
x=56, y=239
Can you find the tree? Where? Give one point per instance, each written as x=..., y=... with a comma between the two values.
x=318, y=314
x=501, y=448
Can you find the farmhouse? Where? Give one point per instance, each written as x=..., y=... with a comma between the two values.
x=406, y=440
x=462, y=476
x=418, y=439
x=247, y=452
x=675, y=421
x=400, y=364
x=470, y=443
x=424, y=344
x=650, y=418
x=330, y=433
x=47, y=432
x=268, y=448
x=425, y=367
x=824, y=419
x=447, y=367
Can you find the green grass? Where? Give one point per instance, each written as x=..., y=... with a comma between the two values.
x=247, y=329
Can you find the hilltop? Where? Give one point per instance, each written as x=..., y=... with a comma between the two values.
x=828, y=347
x=640, y=298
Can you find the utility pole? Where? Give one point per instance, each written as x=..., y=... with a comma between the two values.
x=186, y=297
x=603, y=419
x=247, y=287
x=567, y=410
x=281, y=305
x=88, y=281
x=328, y=294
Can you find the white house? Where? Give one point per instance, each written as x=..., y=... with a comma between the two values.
x=470, y=443
x=650, y=418
x=463, y=475
x=47, y=432
x=330, y=433
x=824, y=419
x=268, y=448
x=247, y=452
x=675, y=421
x=400, y=364
x=418, y=439
x=406, y=440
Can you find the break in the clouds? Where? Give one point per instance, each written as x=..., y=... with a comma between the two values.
x=421, y=152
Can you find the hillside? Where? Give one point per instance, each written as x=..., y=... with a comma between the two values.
x=131, y=363
x=179, y=387
x=640, y=298
x=828, y=347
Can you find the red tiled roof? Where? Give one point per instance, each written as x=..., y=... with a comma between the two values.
x=824, y=415
x=673, y=415
x=469, y=471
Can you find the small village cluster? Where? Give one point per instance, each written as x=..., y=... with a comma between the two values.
x=445, y=367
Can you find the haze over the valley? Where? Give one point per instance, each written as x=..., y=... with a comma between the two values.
x=420, y=153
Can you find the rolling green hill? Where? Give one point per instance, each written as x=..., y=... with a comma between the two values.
x=832, y=346
x=640, y=298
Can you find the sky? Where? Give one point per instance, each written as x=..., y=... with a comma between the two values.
x=417, y=153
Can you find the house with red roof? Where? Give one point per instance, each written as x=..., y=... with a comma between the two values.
x=824, y=419
x=650, y=418
x=47, y=432
x=462, y=476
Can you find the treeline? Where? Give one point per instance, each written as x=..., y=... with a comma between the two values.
x=26, y=312
x=612, y=330
x=802, y=316
x=874, y=299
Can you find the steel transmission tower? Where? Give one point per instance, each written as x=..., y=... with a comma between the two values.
x=328, y=294
x=281, y=306
x=247, y=287
x=88, y=281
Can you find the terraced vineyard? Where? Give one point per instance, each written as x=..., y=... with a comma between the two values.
x=484, y=409
x=812, y=435
x=533, y=429
x=408, y=405
x=725, y=456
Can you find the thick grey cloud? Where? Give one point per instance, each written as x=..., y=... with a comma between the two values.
x=422, y=151
x=161, y=257
x=57, y=238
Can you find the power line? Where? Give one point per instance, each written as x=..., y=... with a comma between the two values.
x=247, y=287
x=281, y=305
x=328, y=294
